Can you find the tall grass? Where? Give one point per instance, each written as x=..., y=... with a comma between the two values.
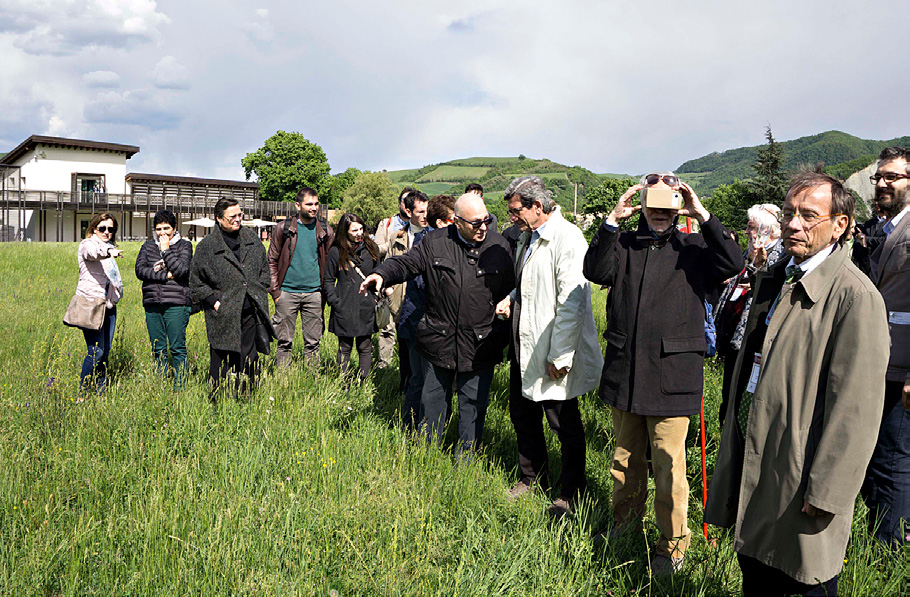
x=306, y=487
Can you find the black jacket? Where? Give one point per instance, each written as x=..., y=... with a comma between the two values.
x=216, y=274
x=463, y=284
x=352, y=314
x=654, y=360
x=156, y=288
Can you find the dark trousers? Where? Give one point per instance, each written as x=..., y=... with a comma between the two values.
x=243, y=366
x=886, y=489
x=411, y=413
x=761, y=580
x=364, y=354
x=404, y=363
x=564, y=419
x=473, y=396
x=98, y=349
x=167, y=331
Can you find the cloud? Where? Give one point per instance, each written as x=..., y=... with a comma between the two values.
x=65, y=27
x=101, y=78
x=170, y=74
x=260, y=30
x=137, y=108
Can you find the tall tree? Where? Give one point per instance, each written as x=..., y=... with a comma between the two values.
x=770, y=182
x=339, y=184
x=287, y=162
x=372, y=196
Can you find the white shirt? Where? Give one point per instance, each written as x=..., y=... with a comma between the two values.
x=891, y=224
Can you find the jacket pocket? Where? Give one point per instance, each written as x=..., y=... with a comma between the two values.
x=682, y=362
x=614, y=358
x=432, y=334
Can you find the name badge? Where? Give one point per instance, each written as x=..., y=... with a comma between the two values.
x=756, y=369
x=899, y=318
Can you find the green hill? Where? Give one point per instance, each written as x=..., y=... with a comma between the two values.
x=842, y=154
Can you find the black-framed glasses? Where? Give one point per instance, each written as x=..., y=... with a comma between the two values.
x=667, y=178
x=103, y=229
x=475, y=225
x=889, y=177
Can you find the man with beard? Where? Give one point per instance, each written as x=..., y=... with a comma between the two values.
x=887, y=487
x=805, y=398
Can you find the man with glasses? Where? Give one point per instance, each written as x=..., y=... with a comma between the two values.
x=887, y=487
x=297, y=254
x=653, y=364
x=467, y=269
x=805, y=402
x=229, y=278
x=555, y=353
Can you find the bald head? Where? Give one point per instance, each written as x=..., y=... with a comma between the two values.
x=470, y=208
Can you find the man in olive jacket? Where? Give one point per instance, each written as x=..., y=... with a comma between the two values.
x=229, y=278
x=805, y=402
x=467, y=271
x=653, y=364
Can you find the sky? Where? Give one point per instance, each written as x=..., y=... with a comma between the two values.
x=613, y=86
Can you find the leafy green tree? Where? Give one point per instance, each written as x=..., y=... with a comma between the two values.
x=340, y=184
x=372, y=196
x=770, y=182
x=729, y=204
x=287, y=162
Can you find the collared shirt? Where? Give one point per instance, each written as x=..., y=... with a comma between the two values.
x=465, y=241
x=891, y=224
x=397, y=223
x=535, y=236
x=807, y=266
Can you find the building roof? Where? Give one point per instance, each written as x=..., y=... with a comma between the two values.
x=33, y=141
x=188, y=180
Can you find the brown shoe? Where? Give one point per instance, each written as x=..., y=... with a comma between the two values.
x=518, y=490
x=559, y=508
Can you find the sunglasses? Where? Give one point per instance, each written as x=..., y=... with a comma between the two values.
x=667, y=178
x=475, y=225
x=103, y=229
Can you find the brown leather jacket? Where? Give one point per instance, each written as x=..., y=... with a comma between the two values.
x=281, y=249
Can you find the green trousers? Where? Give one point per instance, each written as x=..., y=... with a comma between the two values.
x=167, y=331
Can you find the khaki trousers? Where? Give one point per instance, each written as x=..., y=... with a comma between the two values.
x=667, y=438
x=309, y=307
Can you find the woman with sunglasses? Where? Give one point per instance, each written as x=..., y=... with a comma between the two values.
x=163, y=266
x=99, y=278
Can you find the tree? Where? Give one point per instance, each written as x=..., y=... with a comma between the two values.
x=770, y=183
x=730, y=202
x=287, y=162
x=372, y=196
x=339, y=184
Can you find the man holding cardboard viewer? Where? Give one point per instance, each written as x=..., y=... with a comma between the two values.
x=653, y=364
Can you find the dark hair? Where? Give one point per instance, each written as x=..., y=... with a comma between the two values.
x=530, y=190
x=306, y=192
x=165, y=217
x=411, y=198
x=222, y=204
x=405, y=192
x=441, y=207
x=895, y=153
x=842, y=201
x=474, y=188
x=345, y=254
x=97, y=220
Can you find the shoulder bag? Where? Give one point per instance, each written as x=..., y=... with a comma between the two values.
x=383, y=306
x=85, y=313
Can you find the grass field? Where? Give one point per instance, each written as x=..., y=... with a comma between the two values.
x=447, y=173
x=305, y=488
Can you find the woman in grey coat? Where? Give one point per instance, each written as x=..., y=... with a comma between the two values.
x=352, y=256
x=229, y=278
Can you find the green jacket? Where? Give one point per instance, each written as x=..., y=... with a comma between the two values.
x=813, y=419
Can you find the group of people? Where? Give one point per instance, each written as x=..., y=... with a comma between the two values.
x=816, y=348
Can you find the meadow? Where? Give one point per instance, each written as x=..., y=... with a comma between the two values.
x=306, y=487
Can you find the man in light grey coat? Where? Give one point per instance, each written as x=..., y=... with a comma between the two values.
x=555, y=351
x=805, y=402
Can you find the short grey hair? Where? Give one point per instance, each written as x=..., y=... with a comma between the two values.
x=765, y=214
x=531, y=190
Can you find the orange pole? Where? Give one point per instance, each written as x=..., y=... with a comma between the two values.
x=704, y=468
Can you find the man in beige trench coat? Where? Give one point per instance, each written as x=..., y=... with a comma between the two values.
x=805, y=403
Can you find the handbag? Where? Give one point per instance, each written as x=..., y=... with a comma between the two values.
x=86, y=313
x=265, y=333
x=383, y=306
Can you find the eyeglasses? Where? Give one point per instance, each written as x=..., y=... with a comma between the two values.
x=516, y=211
x=890, y=177
x=475, y=225
x=103, y=229
x=809, y=220
x=667, y=178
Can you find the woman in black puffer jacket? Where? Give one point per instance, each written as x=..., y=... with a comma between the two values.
x=353, y=315
x=163, y=266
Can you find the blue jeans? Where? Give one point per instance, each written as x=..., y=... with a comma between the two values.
x=98, y=345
